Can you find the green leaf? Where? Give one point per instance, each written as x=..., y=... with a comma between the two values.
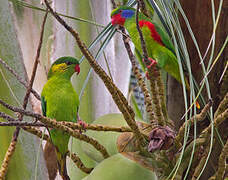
x=107, y=139
x=22, y=164
x=120, y=167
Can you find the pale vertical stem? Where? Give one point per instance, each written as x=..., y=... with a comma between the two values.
x=116, y=59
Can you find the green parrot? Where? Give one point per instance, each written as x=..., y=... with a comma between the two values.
x=160, y=49
x=60, y=101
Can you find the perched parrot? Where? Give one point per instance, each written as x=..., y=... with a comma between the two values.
x=60, y=101
x=160, y=49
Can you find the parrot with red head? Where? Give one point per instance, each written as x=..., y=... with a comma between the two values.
x=159, y=46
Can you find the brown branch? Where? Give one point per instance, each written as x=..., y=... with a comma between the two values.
x=16, y=109
x=21, y=124
x=79, y=163
x=222, y=162
x=7, y=117
x=14, y=122
x=217, y=121
x=6, y=66
x=205, y=135
x=96, y=127
x=7, y=158
x=143, y=44
x=222, y=106
x=201, y=164
x=140, y=80
x=212, y=178
x=37, y=133
x=74, y=126
x=151, y=72
x=197, y=118
x=117, y=96
x=58, y=125
x=155, y=99
x=162, y=98
x=28, y=125
x=187, y=155
x=76, y=134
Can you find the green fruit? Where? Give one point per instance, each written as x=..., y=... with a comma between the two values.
x=106, y=138
x=118, y=167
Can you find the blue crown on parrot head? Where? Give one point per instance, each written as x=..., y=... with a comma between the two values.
x=127, y=13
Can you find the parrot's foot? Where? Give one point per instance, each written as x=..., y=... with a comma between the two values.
x=152, y=65
x=83, y=125
x=35, y=121
x=147, y=75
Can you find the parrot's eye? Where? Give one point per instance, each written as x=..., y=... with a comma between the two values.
x=69, y=63
x=120, y=11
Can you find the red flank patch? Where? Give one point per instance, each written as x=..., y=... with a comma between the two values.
x=154, y=33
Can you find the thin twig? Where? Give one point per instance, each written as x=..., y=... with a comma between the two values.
x=37, y=133
x=16, y=109
x=21, y=124
x=79, y=163
x=28, y=125
x=7, y=117
x=143, y=44
x=117, y=95
x=96, y=127
x=6, y=66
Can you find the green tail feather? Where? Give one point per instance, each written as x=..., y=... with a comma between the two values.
x=62, y=166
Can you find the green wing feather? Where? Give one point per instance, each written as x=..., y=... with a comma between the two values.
x=43, y=106
x=165, y=38
x=60, y=102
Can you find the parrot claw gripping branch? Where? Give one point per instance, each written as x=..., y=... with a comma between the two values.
x=161, y=144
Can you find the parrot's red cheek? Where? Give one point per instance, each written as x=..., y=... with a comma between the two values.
x=77, y=68
x=117, y=19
